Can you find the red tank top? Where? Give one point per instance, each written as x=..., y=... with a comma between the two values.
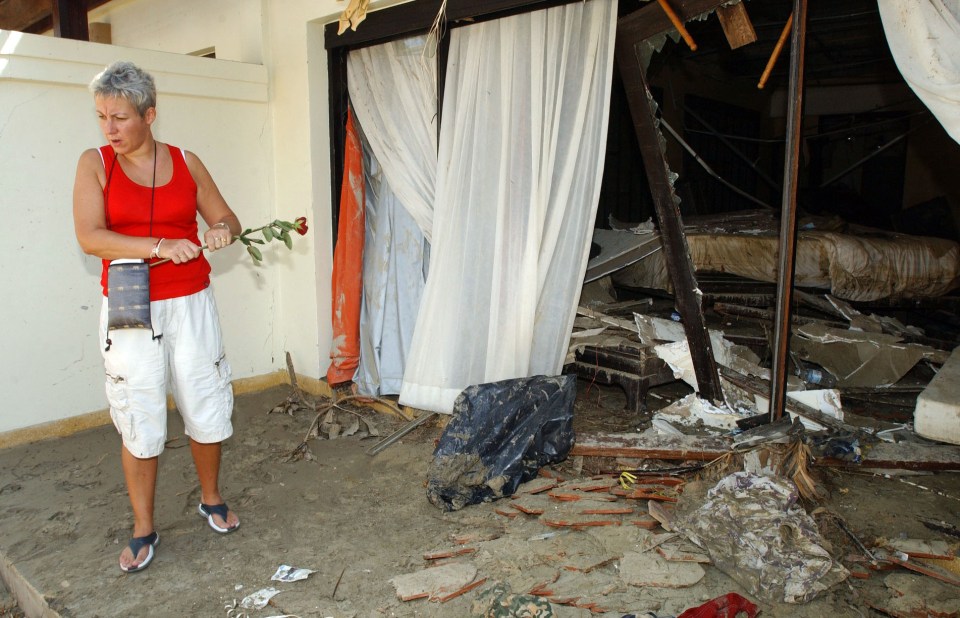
x=174, y=216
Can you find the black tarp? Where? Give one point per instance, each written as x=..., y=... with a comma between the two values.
x=500, y=435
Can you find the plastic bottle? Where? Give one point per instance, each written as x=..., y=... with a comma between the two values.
x=819, y=377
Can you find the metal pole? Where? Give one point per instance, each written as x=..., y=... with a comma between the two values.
x=788, y=213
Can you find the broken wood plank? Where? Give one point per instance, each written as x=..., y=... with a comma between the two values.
x=608, y=444
x=903, y=456
x=736, y=25
x=885, y=455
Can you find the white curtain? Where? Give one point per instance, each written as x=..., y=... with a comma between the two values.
x=924, y=38
x=521, y=157
x=394, y=259
x=393, y=94
x=393, y=91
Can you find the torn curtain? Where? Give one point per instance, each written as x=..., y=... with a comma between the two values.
x=924, y=38
x=393, y=93
x=347, y=258
x=520, y=161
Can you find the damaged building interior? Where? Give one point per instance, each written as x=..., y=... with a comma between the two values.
x=683, y=345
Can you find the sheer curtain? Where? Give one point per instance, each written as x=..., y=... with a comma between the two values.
x=521, y=156
x=393, y=93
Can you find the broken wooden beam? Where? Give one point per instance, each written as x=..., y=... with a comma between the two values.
x=902, y=456
x=610, y=446
x=641, y=446
x=736, y=25
x=676, y=252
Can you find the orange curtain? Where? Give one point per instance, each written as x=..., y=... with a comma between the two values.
x=348, y=264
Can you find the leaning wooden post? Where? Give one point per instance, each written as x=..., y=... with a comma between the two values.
x=788, y=213
x=675, y=249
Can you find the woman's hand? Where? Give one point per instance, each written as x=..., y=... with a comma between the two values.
x=218, y=237
x=178, y=250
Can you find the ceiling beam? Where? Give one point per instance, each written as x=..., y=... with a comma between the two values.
x=20, y=15
x=70, y=20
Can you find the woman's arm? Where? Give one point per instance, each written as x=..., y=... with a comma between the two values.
x=89, y=219
x=222, y=221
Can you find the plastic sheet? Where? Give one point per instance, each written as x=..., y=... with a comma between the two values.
x=500, y=435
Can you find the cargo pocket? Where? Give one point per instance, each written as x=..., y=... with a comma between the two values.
x=119, y=400
x=224, y=372
x=224, y=384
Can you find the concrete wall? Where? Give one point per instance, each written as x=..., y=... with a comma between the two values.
x=51, y=367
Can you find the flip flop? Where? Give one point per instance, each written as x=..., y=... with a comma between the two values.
x=209, y=510
x=136, y=544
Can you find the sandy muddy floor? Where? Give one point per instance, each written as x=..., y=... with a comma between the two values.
x=357, y=521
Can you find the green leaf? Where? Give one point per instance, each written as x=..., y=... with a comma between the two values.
x=285, y=235
x=268, y=233
x=244, y=240
x=254, y=253
x=257, y=240
x=286, y=225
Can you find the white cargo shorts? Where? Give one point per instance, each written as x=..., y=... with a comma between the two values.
x=183, y=352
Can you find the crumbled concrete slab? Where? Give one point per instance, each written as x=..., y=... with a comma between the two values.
x=682, y=552
x=650, y=569
x=618, y=539
x=910, y=595
x=581, y=589
x=937, y=414
x=437, y=581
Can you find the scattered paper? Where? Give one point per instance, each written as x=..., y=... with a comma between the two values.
x=288, y=573
x=259, y=599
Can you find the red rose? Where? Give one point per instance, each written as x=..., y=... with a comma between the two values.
x=300, y=225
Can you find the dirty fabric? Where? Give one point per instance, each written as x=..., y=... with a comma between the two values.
x=395, y=255
x=757, y=534
x=499, y=602
x=924, y=38
x=853, y=267
x=500, y=436
x=347, y=280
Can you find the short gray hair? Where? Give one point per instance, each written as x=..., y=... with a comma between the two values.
x=125, y=80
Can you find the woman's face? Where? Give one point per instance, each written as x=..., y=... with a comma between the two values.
x=124, y=128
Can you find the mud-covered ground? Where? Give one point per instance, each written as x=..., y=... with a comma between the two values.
x=358, y=521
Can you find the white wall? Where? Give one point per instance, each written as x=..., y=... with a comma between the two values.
x=231, y=27
x=263, y=132
x=51, y=367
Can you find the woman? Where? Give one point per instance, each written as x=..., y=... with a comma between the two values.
x=137, y=198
